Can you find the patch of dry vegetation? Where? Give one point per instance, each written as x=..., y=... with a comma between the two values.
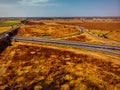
x=35, y=23
x=38, y=68
x=46, y=30
x=84, y=37
x=100, y=33
x=3, y=29
x=114, y=35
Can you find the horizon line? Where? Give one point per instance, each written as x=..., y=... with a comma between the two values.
x=57, y=16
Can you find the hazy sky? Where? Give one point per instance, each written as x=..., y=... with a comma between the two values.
x=59, y=8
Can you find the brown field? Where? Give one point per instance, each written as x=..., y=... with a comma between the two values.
x=37, y=67
x=105, y=24
x=46, y=30
x=35, y=23
x=98, y=26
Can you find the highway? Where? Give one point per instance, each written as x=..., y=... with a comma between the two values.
x=97, y=47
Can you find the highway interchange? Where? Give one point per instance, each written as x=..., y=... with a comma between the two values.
x=114, y=50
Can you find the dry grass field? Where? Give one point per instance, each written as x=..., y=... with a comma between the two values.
x=46, y=30
x=48, y=68
x=114, y=35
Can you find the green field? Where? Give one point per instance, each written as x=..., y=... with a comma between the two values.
x=9, y=23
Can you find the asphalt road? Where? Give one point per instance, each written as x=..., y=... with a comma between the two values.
x=97, y=47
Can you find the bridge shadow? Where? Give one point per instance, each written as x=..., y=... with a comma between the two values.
x=13, y=33
x=4, y=43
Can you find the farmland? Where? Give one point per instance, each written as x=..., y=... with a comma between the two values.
x=6, y=25
x=9, y=23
